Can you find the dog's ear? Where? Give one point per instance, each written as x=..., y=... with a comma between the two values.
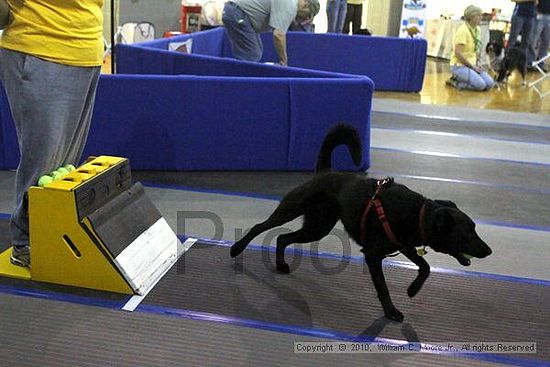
x=447, y=203
x=444, y=221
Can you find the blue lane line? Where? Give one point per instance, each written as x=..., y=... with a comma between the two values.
x=278, y=198
x=508, y=140
x=63, y=297
x=212, y=191
x=463, y=121
x=462, y=157
x=324, y=333
x=387, y=262
x=510, y=225
x=467, y=182
x=5, y=216
x=252, y=324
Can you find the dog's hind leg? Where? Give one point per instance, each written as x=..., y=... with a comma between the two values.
x=285, y=212
x=377, y=275
x=319, y=220
x=423, y=270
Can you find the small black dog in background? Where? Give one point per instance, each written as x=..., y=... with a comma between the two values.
x=364, y=32
x=504, y=62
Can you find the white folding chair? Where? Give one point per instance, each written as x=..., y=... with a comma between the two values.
x=131, y=32
x=537, y=84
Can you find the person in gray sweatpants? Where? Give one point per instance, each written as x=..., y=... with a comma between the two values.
x=50, y=61
x=51, y=132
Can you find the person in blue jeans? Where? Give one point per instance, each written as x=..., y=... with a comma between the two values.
x=245, y=20
x=336, y=15
x=541, y=38
x=523, y=24
x=465, y=68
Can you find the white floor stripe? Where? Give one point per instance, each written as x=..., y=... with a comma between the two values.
x=134, y=302
x=460, y=113
x=459, y=146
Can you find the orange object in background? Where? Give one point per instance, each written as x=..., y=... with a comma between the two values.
x=169, y=34
x=190, y=18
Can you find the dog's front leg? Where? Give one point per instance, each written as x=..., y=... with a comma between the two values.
x=377, y=275
x=423, y=270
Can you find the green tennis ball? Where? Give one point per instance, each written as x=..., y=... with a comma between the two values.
x=44, y=180
x=56, y=175
x=63, y=171
x=70, y=167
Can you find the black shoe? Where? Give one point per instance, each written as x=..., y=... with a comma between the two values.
x=451, y=81
x=21, y=256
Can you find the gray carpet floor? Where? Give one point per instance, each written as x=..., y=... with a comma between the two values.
x=507, y=194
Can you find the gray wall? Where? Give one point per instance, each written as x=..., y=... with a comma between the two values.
x=164, y=14
x=394, y=19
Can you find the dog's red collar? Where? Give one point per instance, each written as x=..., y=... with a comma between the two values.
x=380, y=185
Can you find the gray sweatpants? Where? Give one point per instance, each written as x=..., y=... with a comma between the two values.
x=52, y=106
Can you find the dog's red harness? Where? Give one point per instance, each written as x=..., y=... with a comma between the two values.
x=380, y=185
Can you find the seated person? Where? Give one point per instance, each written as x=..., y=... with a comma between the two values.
x=465, y=67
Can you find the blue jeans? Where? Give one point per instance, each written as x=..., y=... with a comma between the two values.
x=542, y=35
x=336, y=15
x=525, y=27
x=466, y=78
x=246, y=43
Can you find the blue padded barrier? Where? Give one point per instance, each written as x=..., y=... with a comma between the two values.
x=137, y=59
x=211, y=42
x=217, y=123
x=395, y=64
x=206, y=112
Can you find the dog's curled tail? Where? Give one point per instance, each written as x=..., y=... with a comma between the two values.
x=341, y=134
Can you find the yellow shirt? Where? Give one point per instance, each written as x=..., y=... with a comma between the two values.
x=355, y=2
x=68, y=32
x=463, y=35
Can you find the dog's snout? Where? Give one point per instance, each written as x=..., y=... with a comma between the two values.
x=479, y=249
x=483, y=250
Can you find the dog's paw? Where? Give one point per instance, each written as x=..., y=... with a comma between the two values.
x=395, y=315
x=413, y=290
x=283, y=268
x=415, y=287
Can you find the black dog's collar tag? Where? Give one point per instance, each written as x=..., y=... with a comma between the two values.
x=421, y=251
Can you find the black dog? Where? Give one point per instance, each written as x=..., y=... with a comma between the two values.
x=415, y=220
x=364, y=32
x=504, y=62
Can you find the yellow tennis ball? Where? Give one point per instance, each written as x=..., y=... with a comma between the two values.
x=63, y=171
x=70, y=167
x=44, y=180
x=56, y=175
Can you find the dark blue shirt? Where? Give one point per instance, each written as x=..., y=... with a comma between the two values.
x=526, y=10
x=544, y=7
